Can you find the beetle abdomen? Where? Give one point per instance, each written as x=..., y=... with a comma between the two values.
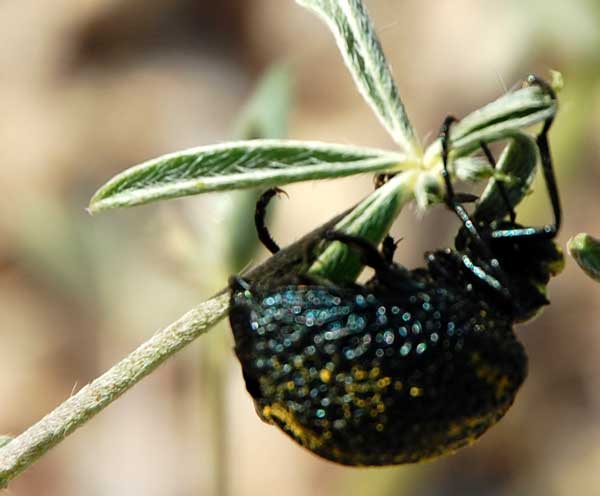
x=373, y=379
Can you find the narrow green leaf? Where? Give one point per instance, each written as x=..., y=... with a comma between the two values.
x=237, y=165
x=509, y=107
x=501, y=119
x=585, y=250
x=361, y=49
x=507, y=129
x=4, y=440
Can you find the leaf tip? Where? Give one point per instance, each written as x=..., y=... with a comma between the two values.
x=97, y=204
x=94, y=206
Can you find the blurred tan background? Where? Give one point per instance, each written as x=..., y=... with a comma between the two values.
x=89, y=88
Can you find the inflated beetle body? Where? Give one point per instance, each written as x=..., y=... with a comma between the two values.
x=414, y=363
x=395, y=371
x=372, y=382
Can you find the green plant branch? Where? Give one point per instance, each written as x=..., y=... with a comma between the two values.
x=25, y=449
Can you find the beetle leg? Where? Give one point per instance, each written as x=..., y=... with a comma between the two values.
x=369, y=255
x=489, y=269
x=451, y=198
x=549, y=230
x=387, y=273
x=259, y=219
x=388, y=248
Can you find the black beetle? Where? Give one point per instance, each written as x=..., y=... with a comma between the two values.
x=414, y=363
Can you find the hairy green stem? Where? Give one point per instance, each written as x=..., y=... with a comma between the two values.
x=25, y=449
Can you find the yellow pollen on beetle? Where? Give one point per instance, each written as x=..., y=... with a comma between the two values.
x=358, y=373
x=384, y=382
x=415, y=392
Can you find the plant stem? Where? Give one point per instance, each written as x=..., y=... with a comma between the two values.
x=25, y=449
